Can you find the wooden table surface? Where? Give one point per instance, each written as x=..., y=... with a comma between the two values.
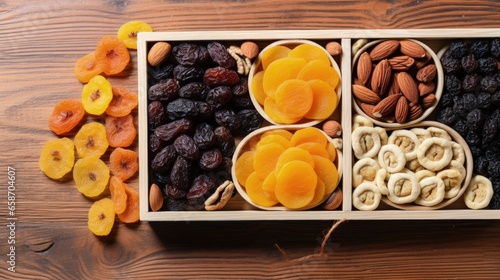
x=41, y=41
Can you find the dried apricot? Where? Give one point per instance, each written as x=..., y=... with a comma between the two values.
x=332, y=152
x=91, y=176
x=122, y=103
x=309, y=53
x=327, y=172
x=308, y=134
x=57, y=157
x=258, y=88
x=101, y=217
x=319, y=194
x=319, y=70
x=112, y=55
x=123, y=163
x=296, y=184
x=274, y=53
x=120, y=131
x=282, y=132
x=86, y=68
x=96, y=95
x=252, y=144
x=274, y=138
x=128, y=32
x=269, y=183
x=324, y=100
x=91, y=140
x=294, y=98
x=265, y=159
x=256, y=193
x=66, y=115
x=291, y=154
x=118, y=194
x=276, y=114
x=315, y=149
x=279, y=71
x=244, y=167
x=131, y=213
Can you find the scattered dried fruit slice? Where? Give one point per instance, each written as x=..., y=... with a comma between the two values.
x=244, y=167
x=86, y=68
x=131, y=213
x=91, y=176
x=272, y=54
x=112, y=55
x=91, y=140
x=118, y=194
x=123, y=102
x=101, y=217
x=257, y=194
x=123, y=163
x=296, y=184
x=57, y=157
x=120, y=131
x=66, y=115
x=128, y=32
x=96, y=95
x=294, y=97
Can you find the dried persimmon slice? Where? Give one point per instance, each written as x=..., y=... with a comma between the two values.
x=120, y=131
x=123, y=163
x=86, y=68
x=112, y=55
x=131, y=213
x=123, y=102
x=117, y=189
x=128, y=32
x=66, y=115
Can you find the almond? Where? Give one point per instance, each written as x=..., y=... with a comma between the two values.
x=426, y=74
x=249, y=49
x=155, y=198
x=421, y=62
x=364, y=69
x=158, y=53
x=402, y=109
x=386, y=106
x=401, y=63
x=394, y=88
x=381, y=77
x=368, y=109
x=365, y=94
x=426, y=88
x=415, y=112
x=384, y=49
x=411, y=49
x=408, y=87
x=428, y=101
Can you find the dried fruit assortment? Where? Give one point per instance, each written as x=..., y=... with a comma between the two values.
x=197, y=103
x=470, y=103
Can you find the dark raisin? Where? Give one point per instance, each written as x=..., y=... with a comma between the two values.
x=495, y=47
x=155, y=143
x=204, y=111
x=225, y=141
x=461, y=127
x=480, y=48
x=166, y=90
x=189, y=54
x=241, y=102
x=173, y=192
x=219, y=96
x=481, y=165
x=496, y=185
x=250, y=120
x=452, y=84
x=458, y=48
x=181, y=108
x=220, y=76
x=495, y=202
x=450, y=64
x=490, y=129
x=223, y=172
x=219, y=54
x=495, y=98
x=210, y=159
x=176, y=205
x=187, y=74
x=180, y=173
x=494, y=167
x=171, y=130
x=204, y=136
x=241, y=88
x=164, y=160
x=161, y=179
x=459, y=106
x=227, y=118
x=475, y=119
x=194, y=90
x=489, y=84
x=447, y=116
x=487, y=65
x=201, y=188
x=161, y=71
x=483, y=100
x=469, y=63
x=471, y=82
x=473, y=138
x=476, y=151
x=156, y=114
x=470, y=101
x=186, y=147
x=446, y=99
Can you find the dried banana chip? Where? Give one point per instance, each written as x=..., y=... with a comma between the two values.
x=364, y=170
x=457, y=166
x=407, y=141
x=380, y=181
x=414, y=165
x=422, y=174
x=366, y=197
x=478, y=193
x=435, y=153
x=403, y=188
x=365, y=142
x=391, y=158
x=431, y=191
x=452, y=181
x=384, y=138
x=421, y=133
x=358, y=120
x=439, y=132
x=458, y=152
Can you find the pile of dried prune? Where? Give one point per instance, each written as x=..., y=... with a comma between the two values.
x=470, y=103
x=197, y=104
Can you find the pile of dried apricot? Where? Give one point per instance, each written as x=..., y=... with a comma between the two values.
x=295, y=169
x=114, y=105
x=296, y=83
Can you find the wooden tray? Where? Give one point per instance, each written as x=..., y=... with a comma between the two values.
x=237, y=208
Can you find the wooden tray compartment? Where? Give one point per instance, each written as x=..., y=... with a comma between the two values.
x=237, y=208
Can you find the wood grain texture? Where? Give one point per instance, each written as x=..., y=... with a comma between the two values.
x=41, y=42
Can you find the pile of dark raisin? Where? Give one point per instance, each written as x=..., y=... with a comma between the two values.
x=470, y=103
x=197, y=104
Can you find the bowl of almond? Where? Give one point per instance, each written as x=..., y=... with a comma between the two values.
x=396, y=81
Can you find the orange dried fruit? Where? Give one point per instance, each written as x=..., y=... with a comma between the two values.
x=308, y=134
x=120, y=131
x=276, y=114
x=243, y=167
x=319, y=194
x=256, y=193
x=292, y=154
x=101, y=217
x=294, y=98
x=257, y=87
x=57, y=157
x=309, y=53
x=332, y=152
x=112, y=55
x=252, y=143
x=131, y=213
x=265, y=159
x=91, y=140
x=122, y=103
x=296, y=184
x=282, y=132
x=96, y=95
x=319, y=70
x=324, y=100
x=274, y=53
x=280, y=71
x=269, y=183
x=327, y=172
x=118, y=194
x=91, y=176
x=66, y=115
x=129, y=30
x=123, y=163
x=274, y=138
x=86, y=67
x=315, y=149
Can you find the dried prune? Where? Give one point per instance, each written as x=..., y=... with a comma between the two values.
x=447, y=116
x=161, y=71
x=155, y=143
x=483, y=100
x=165, y=159
x=489, y=84
x=173, y=192
x=459, y=106
x=490, y=129
x=461, y=127
x=180, y=173
x=210, y=159
x=161, y=179
x=219, y=54
x=469, y=63
x=470, y=101
x=446, y=99
x=223, y=172
x=194, y=90
x=201, y=188
x=495, y=47
x=227, y=118
x=250, y=120
x=176, y=204
x=494, y=168
x=241, y=102
x=487, y=65
x=481, y=166
x=204, y=111
x=450, y=64
x=458, y=48
x=220, y=76
x=473, y=138
x=475, y=119
x=186, y=147
x=471, y=82
x=165, y=90
x=204, y=136
x=495, y=98
x=219, y=96
x=480, y=48
x=241, y=88
x=496, y=186
x=225, y=140
x=190, y=54
x=180, y=108
x=453, y=84
x=167, y=132
x=188, y=74
x=156, y=114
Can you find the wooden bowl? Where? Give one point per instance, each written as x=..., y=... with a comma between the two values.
x=468, y=168
x=438, y=92
x=243, y=147
x=257, y=66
